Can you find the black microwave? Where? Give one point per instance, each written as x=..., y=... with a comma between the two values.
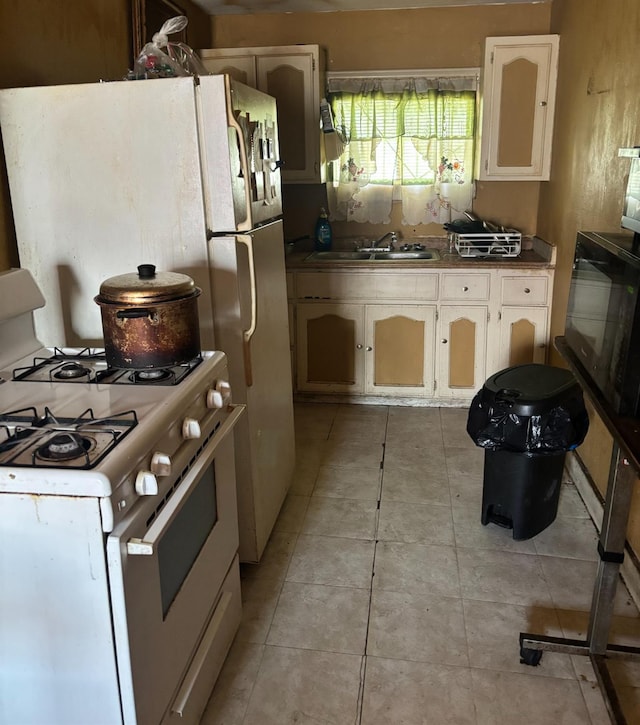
x=603, y=316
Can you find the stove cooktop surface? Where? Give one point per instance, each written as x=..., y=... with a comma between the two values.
x=33, y=438
x=89, y=365
x=71, y=429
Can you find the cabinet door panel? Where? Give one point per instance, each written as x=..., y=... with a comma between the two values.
x=289, y=79
x=518, y=91
x=241, y=68
x=462, y=346
x=329, y=347
x=516, y=142
x=523, y=336
x=399, y=350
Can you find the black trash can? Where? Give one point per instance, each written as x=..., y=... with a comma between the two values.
x=526, y=418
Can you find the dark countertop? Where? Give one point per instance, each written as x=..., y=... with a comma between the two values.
x=527, y=259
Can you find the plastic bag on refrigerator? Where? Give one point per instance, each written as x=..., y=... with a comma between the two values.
x=163, y=59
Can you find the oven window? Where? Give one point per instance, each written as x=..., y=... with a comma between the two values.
x=181, y=543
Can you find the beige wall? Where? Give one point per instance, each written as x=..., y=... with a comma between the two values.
x=393, y=39
x=75, y=41
x=597, y=111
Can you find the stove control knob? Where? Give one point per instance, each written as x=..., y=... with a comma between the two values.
x=214, y=399
x=191, y=429
x=160, y=464
x=219, y=396
x=146, y=484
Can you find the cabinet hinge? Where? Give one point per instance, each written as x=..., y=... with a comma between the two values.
x=437, y=315
x=435, y=384
x=500, y=315
x=488, y=316
x=491, y=60
x=313, y=64
x=486, y=164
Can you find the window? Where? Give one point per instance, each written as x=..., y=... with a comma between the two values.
x=407, y=138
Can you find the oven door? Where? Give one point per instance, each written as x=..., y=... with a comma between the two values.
x=167, y=562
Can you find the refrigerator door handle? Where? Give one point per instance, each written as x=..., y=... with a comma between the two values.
x=244, y=166
x=247, y=240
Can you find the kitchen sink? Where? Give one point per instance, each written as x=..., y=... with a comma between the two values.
x=338, y=256
x=413, y=255
x=422, y=254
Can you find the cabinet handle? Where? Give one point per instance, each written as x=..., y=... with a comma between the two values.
x=444, y=341
x=465, y=289
x=369, y=349
x=527, y=290
x=543, y=103
x=358, y=347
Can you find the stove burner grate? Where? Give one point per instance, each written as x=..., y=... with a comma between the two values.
x=153, y=375
x=89, y=365
x=34, y=440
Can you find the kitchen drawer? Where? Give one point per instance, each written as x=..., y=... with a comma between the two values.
x=524, y=290
x=462, y=287
x=354, y=286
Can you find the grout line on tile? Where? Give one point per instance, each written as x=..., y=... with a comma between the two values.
x=363, y=665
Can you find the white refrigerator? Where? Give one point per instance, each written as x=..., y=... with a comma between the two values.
x=184, y=174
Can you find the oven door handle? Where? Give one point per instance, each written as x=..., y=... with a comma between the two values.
x=147, y=545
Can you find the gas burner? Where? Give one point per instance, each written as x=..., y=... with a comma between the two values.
x=90, y=366
x=32, y=440
x=71, y=371
x=65, y=447
x=153, y=375
x=66, y=366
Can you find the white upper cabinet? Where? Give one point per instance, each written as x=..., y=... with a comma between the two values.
x=294, y=76
x=517, y=104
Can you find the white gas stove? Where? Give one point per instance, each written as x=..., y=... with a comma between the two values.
x=119, y=515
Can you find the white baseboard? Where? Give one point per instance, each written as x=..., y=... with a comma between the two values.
x=628, y=570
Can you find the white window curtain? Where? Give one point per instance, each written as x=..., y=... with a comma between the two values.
x=408, y=138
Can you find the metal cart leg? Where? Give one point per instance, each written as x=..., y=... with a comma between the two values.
x=622, y=477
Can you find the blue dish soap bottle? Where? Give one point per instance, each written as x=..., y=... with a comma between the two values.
x=324, y=235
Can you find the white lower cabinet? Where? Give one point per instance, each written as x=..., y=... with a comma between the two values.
x=462, y=350
x=436, y=335
x=373, y=349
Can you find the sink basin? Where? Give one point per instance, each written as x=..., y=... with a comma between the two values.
x=337, y=256
x=422, y=255
x=417, y=255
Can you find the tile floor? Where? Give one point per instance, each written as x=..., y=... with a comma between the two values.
x=381, y=598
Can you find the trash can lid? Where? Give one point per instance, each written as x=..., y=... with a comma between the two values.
x=533, y=388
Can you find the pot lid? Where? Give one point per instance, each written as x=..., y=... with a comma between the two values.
x=146, y=286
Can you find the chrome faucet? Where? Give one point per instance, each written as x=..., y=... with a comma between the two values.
x=375, y=245
x=392, y=244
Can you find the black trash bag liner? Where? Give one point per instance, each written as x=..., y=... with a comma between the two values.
x=493, y=425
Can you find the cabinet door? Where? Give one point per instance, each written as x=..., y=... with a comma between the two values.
x=241, y=67
x=399, y=350
x=462, y=348
x=518, y=102
x=292, y=79
x=330, y=347
x=523, y=336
